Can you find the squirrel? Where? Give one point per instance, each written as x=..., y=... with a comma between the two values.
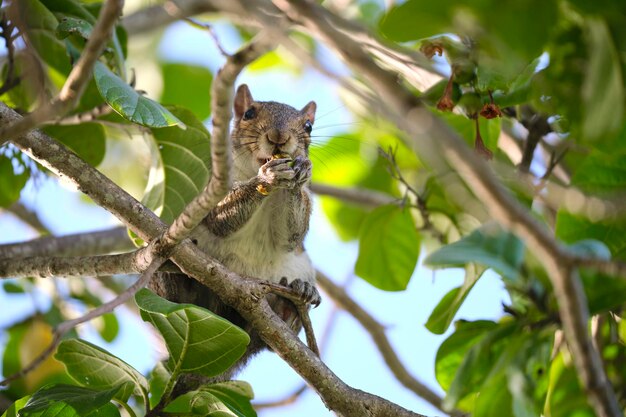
x=258, y=229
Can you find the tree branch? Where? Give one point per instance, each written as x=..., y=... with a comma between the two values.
x=106, y=241
x=47, y=266
x=358, y=196
x=76, y=81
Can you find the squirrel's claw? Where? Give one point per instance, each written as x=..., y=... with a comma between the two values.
x=304, y=290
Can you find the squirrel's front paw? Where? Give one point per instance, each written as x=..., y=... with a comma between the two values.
x=303, y=169
x=304, y=290
x=277, y=173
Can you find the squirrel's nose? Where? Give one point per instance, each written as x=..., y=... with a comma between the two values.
x=277, y=137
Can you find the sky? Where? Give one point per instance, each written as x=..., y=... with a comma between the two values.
x=349, y=351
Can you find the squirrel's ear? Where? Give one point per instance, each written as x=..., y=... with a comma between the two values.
x=309, y=110
x=243, y=101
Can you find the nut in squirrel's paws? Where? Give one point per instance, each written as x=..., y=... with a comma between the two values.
x=284, y=172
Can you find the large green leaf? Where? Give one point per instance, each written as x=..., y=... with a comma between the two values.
x=446, y=309
x=489, y=246
x=389, y=246
x=603, y=89
x=11, y=182
x=129, y=103
x=478, y=362
x=40, y=25
x=69, y=401
x=71, y=25
x=198, y=340
x=187, y=86
x=185, y=157
x=87, y=140
x=158, y=381
x=227, y=399
x=565, y=397
x=94, y=367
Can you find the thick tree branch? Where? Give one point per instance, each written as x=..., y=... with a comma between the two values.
x=106, y=241
x=77, y=80
x=406, y=110
x=50, y=266
x=245, y=295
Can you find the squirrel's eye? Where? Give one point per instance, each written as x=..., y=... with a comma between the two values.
x=249, y=114
x=308, y=127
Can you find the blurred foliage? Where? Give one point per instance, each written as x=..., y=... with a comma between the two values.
x=505, y=65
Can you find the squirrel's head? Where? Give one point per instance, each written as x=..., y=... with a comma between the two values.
x=266, y=128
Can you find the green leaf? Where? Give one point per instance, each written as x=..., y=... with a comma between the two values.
x=478, y=362
x=489, y=129
x=110, y=327
x=185, y=157
x=489, y=246
x=13, y=287
x=68, y=401
x=71, y=25
x=416, y=19
x=128, y=103
x=389, y=247
x=187, y=86
x=15, y=407
x=494, y=399
x=11, y=183
x=603, y=88
x=236, y=395
x=565, y=397
x=198, y=340
x=40, y=25
x=227, y=399
x=158, y=380
x=446, y=309
x=87, y=140
x=454, y=348
x=94, y=367
x=70, y=8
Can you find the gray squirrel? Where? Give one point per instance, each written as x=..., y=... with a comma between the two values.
x=258, y=229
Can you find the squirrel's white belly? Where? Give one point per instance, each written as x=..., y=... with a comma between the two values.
x=258, y=249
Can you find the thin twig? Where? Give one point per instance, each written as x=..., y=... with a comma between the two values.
x=209, y=28
x=396, y=174
x=358, y=196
